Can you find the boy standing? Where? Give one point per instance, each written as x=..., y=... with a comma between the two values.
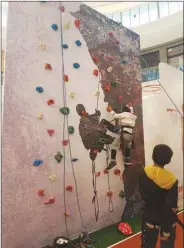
x=159, y=191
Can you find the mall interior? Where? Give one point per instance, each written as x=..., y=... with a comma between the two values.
x=57, y=190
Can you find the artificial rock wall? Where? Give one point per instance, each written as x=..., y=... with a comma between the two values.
x=27, y=221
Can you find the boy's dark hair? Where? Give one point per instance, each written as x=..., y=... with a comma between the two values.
x=126, y=109
x=162, y=155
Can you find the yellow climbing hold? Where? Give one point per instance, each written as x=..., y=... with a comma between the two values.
x=40, y=116
x=72, y=94
x=42, y=46
x=109, y=69
x=67, y=25
x=97, y=93
x=52, y=178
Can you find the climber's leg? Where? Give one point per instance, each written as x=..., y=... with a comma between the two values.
x=127, y=140
x=114, y=147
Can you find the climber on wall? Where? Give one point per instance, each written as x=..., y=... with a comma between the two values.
x=124, y=128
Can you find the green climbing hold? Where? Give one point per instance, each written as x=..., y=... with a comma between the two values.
x=58, y=157
x=114, y=84
x=71, y=130
x=122, y=194
x=65, y=110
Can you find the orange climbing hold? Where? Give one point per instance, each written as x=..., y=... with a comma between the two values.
x=48, y=67
x=117, y=172
x=66, y=78
x=77, y=23
x=107, y=88
x=109, y=108
x=50, y=102
x=83, y=113
x=95, y=72
x=50, y=201
x=95, y=60
x=66, y=214
x=41, y=192
x=109, y=193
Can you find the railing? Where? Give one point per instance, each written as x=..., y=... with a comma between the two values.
x=150, y=74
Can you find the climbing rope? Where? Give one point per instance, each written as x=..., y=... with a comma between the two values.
x=66, y=124
x=111, y=205
x=95, y=197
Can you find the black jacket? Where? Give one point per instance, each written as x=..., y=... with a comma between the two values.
x=159, y=190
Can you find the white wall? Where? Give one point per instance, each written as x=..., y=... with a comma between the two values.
x=161, y=126
x=161, y=31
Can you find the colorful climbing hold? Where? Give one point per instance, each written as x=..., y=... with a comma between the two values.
x=66, y=214
x=122, y=194
x=65, y=142
x=42, y=46
x=76, y=65
x=110, y=33
x=58, y=157
x=71, y=129
x=97, y=93
x=65, y=46
x=125, y=228
x=117, y=42
x=69, y=188
x=124, y=62
x=48, y=67
x=97, y=174
x=65, y=110
x=117, y=172
x=52, y=178
x=67, y=25
x=107, y=88
x=66, y=78
x=75, y=159
x=95, y=72
x=106, y=172
x=37, y=162
x=83, y=113
x=50, y=102
x=50, y=132
x=39, y=116
x=78, y=43
x=95, y=60
x=109, y=193
x=72, y=95
x=50, y=200
x=77, y=23
x=54, y=27
x=39, y=89
x=114, y=84
x=109, y=69
x=41, y=192
x=62, y=8
x=120, y=99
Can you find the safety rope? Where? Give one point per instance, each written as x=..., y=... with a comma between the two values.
x=111, y=205
x=65, y=124
x=95, y=197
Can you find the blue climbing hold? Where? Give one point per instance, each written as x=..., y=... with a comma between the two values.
x=65, y=46
x=78, y=43
x=124, y=62
x=39, y=89
x=37, y=162
x=54, y=27
x=74, y=159
x=76, y=65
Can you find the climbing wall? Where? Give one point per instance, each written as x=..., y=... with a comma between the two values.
x=58, y=57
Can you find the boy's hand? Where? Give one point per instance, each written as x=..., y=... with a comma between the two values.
x=109, y=108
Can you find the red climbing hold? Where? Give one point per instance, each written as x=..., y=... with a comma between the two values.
x=50, y=102
x=50, y=201
x=62, y=8
x=83, y=113
x=65, y=142
x=69, y=188
x=95, y=72
x=41, y=192
x=117, y=172
x=106, y=172
x=120, y=99
x=109, y=193
x=50, y=132
x=97, y=174
x=95, y=60
x=125, y=228
x=107, y=88
x=66, y=79
x=117, y=42
x=48, y=67
x=110, y=33
x=77, y=23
